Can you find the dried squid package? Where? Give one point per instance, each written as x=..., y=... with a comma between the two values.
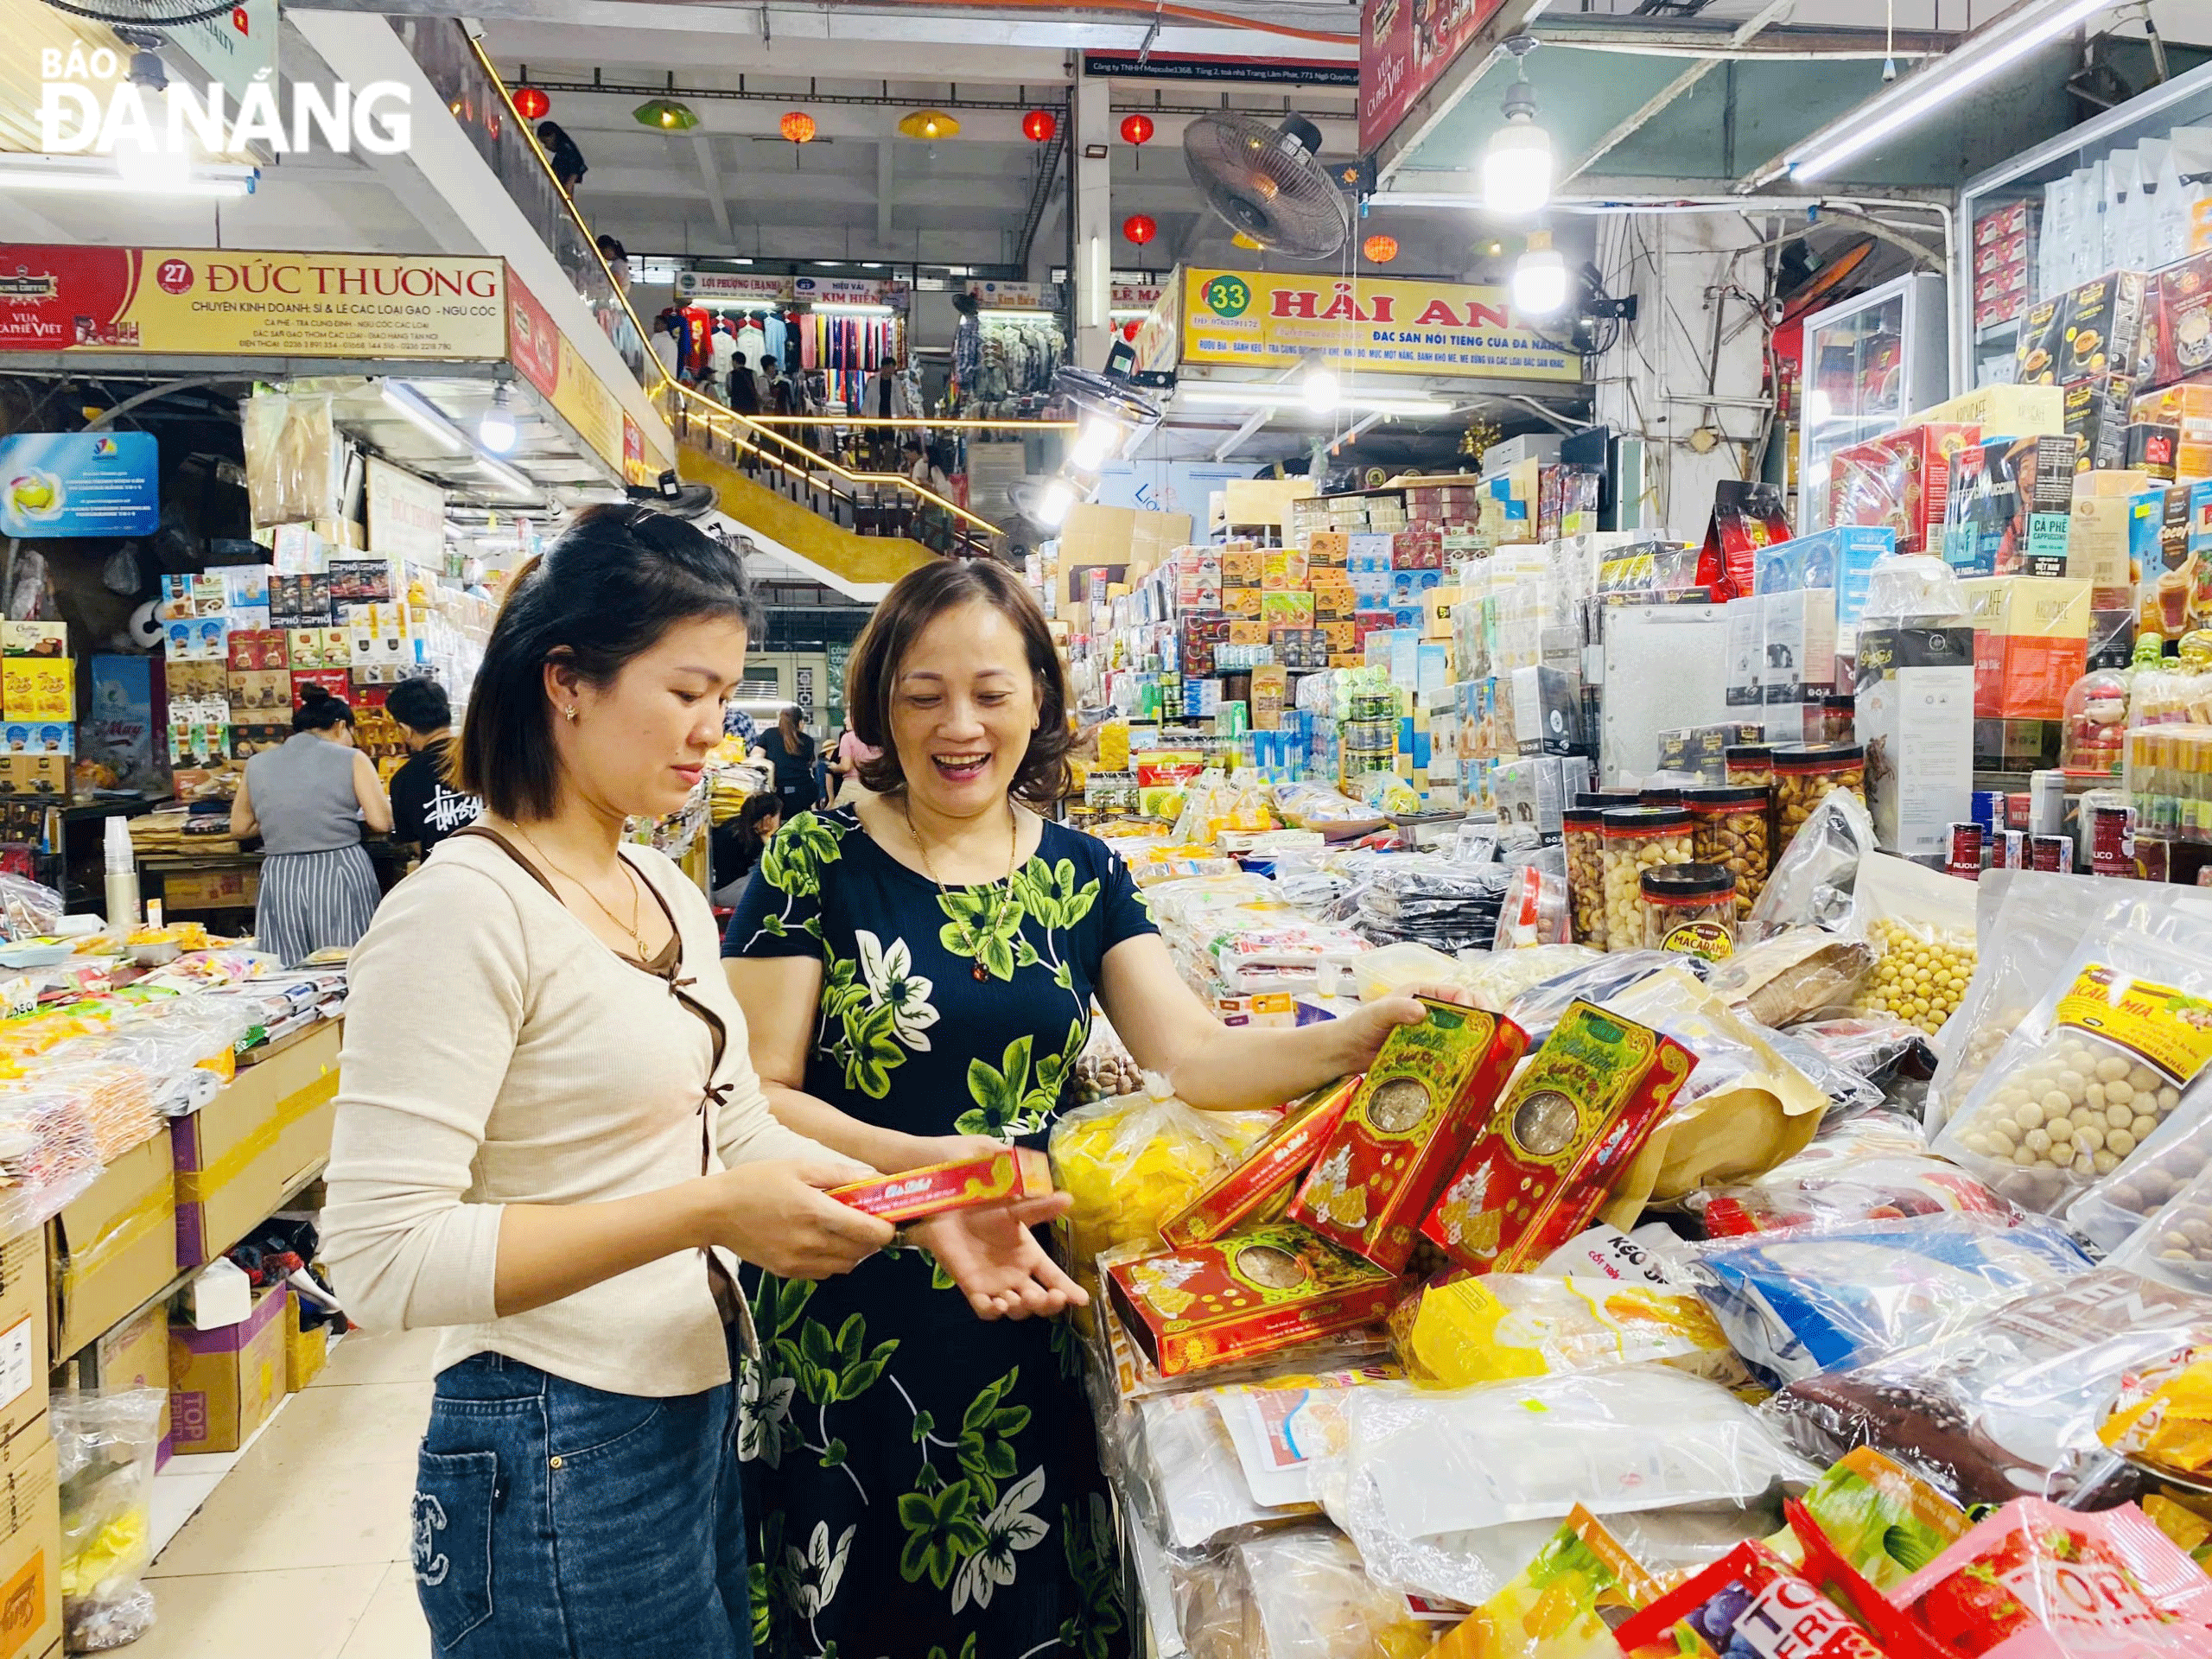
x=2090, y=1075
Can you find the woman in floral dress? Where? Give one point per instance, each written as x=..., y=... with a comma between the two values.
x=917, y=972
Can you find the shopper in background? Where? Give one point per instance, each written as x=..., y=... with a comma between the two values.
x=551, y=1141
x=917, y=971
x=791, y=752
x=562, y=155
x=883, y=398
x=308, y=800
x=425, y=807
x=744, y=390
x=852, y=755
x=663, y=342
x=734, y=848
x=618, y=262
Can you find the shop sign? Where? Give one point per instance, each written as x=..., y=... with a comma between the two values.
x=1159, y=337
x=407, y=515
x=707, y=286
x=1405, y=47
x=843, y=291
x=237, y=48
x=543, y=357
x=1135, y=297
x=1271, y=319
x=80, y=484
x=119, y=727
x=1185, y=66
x=199, y=302
x=1016, y=296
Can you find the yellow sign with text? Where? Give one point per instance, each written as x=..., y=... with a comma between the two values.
x=1277, y=320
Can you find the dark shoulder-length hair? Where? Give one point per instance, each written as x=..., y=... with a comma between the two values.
x=608, y=588
x=920, y=597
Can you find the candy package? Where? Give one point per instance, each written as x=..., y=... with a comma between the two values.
x=2124, y=1028
x=1562, y=1605
x=1439, y=1487
x=1836, y=1194
x=1561, y=1144
x=2011, y=1402
x=1132, y=1162
x=1752, y=1604
x=1496, y=1326
x=2036, y=1581
x=1882, y=1519
x=1256, y=1187
x=2164, y=1417
x=1794, y=1306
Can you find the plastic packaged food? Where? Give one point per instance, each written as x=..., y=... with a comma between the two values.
x=1435, y=1486
x=1794, y=1306
x=2009, y=1404
x=2091, y=1074
x=1638, y=838
x=1815, y=874
x=1751, y=1602
x=1537, y=1010
x=1730, y=826
x=1487, y=1329
x=104, y=1445
x=1129, y=1164
x=2036, y=1581
x=1842, y=1194
x=1584, y=839
x=1300, y=1594
x=1689, y=910
x=1805, y=775
x=2169, y=1164
x=1882, y=1519
x=1793, y=977
x=1920, y=974
x=1876, y=1046
x=1557, y=1607
x=2163, y=1418
x=1184, y=1454
x=1495, y=979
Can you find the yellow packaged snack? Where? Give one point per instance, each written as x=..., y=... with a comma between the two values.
x=1508, y=1325
x=2165, y=1419
x=1556, y=1608
x=2171, y=1512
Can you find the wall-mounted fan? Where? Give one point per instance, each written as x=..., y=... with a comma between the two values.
x=1267, y=183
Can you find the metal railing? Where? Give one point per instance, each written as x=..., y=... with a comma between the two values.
x=868, y=502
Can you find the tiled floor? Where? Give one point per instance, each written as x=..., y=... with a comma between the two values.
x=301, y=1551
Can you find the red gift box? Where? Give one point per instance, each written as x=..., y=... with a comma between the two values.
x=1900, y=481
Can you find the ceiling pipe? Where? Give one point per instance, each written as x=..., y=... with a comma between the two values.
x=1773, y=12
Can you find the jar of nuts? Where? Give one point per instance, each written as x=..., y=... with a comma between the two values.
x=1586, y=874
x=1840, y=718
x=1636, y=839
x=1604, y=800
x=1729, y=828
x=1689, y=909
x=1749, y=763
x=1803, y=777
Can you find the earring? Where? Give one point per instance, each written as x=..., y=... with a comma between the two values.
x=570, y=711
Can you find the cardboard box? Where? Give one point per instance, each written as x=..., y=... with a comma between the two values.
x=30, y=1547
x=1798, y=643
x=1428, y=1090
x=1263, y=1180
x=211, y=890
x=2177, y=329
x=2002, y=411
x=306, y=1352
x=38, y=688
x=25, y=1356
x=2031, y=642
x=2094, y=330
x=1241, y=602
x=114, y=1248
x=1914, y=718
x=2099, y=528
x=2008, y=510
x=2097, y=414
x=224, y=1383
x=2187, y=408
x=1559, y=1144
x=1900, y=481
x=259, y=1139
x=915, y=1194
x=136, y=1355
x=1258, y=1293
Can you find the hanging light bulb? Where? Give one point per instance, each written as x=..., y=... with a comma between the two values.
x=1320, y=388
x=142, y=155
x=1517, y=160
x=496, y=431
x=1540, y=277
x=1094, y=444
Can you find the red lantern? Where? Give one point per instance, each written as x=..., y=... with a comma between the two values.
x=1136, y=128
x=532, y=103
x=1379, y=249
x=796, y=126
x=1138, y=228
x=1039, y=125
x=1130, y=329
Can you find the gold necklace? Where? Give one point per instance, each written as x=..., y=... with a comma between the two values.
x=1003, y=894
x=637, y=903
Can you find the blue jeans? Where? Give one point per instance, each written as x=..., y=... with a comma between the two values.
x=555, y=1522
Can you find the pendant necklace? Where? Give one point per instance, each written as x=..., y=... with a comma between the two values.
x=1002, y=894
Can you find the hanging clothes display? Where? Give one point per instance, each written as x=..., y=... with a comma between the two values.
x=848, y=348
x=1019, y=359
x=771, y=328
x=699, y=355
x=753, y=339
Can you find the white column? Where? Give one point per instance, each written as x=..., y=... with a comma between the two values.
x=1095, y=230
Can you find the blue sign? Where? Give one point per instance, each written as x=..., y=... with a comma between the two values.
x=80, y=484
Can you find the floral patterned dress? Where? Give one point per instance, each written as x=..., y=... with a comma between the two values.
x=922, y=1485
